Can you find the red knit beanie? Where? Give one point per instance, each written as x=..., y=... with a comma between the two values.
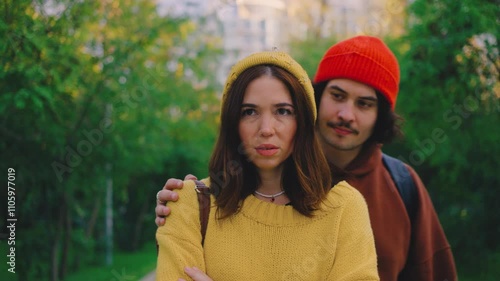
x=364, y=59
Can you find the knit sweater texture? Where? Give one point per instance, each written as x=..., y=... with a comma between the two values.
x=407, y=251
x=265, y=241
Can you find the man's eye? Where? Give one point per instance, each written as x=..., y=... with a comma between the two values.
x=248, y=112
x=336, y=96
x=365, y=104
x=284, y=111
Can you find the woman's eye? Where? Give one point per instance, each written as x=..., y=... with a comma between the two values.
x=248, y=112
x=284, y=111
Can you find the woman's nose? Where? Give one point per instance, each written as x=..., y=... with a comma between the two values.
x=267, y=126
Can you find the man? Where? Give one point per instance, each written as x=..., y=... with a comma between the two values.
x=356, y=87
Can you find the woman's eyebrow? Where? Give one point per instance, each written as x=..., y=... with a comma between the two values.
x=283, y=104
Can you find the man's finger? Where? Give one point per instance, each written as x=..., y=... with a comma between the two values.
x=159, y=221
x=173, y=184
x=162, y=211
x=165, y=196
x=190, y=177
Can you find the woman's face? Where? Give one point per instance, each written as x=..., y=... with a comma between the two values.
x=268, y=124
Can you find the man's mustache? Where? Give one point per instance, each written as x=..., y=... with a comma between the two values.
x=342, y=124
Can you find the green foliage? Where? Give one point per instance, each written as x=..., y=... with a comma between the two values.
x=309, y=52
x=449, y=98
x=95, y=92
x=127, y=266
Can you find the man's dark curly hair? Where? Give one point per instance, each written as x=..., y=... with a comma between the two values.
x=388, y=124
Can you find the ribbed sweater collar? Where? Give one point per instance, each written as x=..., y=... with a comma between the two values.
x=281, y=215
x=269, y=213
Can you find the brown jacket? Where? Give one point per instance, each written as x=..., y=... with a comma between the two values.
x=406, y=252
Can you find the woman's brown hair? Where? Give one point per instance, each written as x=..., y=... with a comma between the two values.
x=306, y=176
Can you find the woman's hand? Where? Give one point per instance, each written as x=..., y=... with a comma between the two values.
x=196, y=274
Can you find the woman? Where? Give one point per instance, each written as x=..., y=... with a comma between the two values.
x=274, y=215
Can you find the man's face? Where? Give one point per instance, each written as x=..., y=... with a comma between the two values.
x=347, y=115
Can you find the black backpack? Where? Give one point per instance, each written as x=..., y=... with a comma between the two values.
x=404, y=183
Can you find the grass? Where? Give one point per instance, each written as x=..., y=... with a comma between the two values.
x=134, y=266
x=126, y=267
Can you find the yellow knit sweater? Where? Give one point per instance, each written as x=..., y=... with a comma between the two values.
x=265, y=241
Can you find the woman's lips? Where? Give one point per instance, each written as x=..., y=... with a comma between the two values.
x=267, y=149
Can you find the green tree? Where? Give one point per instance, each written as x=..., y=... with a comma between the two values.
x=449, y=96
x=308, y=52
x=94, y=94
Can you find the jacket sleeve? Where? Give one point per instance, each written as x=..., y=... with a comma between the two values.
x=355, y=257
x=430, y=257
x=179, y=240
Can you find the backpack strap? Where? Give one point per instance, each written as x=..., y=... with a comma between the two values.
x=404, y=183
x=203, y=192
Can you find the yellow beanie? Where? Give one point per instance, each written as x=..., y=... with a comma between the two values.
x=277, y=58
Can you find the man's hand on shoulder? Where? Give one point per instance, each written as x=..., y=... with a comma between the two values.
x=168, y=194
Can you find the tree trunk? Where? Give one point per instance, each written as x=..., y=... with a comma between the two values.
x=138, y=224
x=67, y=240
x=109, y=216
x=93, y=217
x=55, y=247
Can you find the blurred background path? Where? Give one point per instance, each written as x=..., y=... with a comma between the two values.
x=150, y=277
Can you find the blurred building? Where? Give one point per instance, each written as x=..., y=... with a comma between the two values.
x=183, y=8
x=247, y=26
x=342, y=19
